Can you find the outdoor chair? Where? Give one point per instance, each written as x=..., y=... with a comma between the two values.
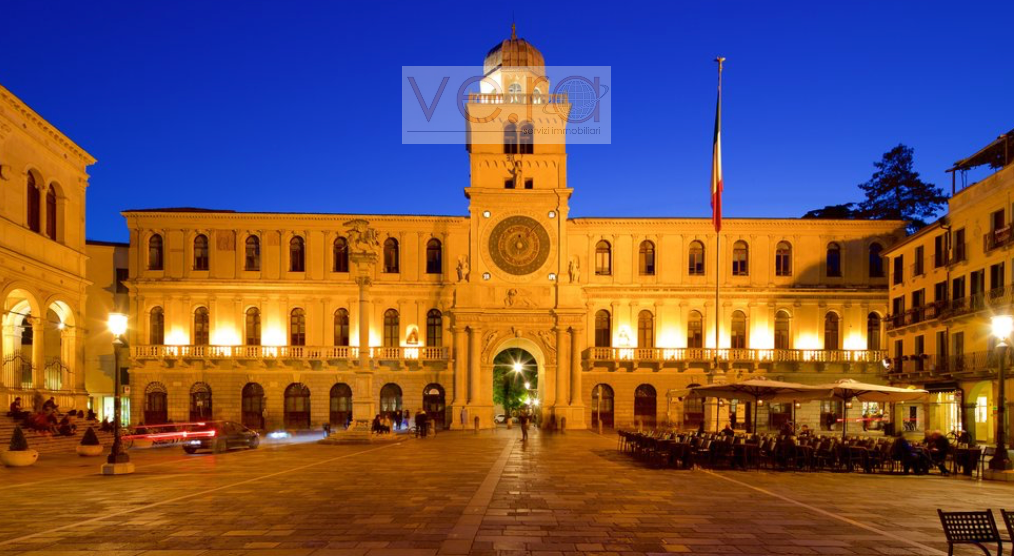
x=987, y=454
x=1008, y=520
x=975, y=528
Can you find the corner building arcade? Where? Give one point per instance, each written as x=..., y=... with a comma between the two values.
x=297, y=320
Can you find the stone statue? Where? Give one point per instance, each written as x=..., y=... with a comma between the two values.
x=413, y=337
x=548, y=340
x=517, y=298
x=463, y=269
x=362, y=238
x=574, y=269
x=511, y=298
x=490, y=338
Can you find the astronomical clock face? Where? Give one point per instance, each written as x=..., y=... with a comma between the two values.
x=519, y=245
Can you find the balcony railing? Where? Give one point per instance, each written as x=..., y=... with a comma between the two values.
x=915, y=315
x=974, y=362
x=733, y=355
x=319, y=353
x=997, y=238
x=516, y=98
x=992, y=299
x=17, y=371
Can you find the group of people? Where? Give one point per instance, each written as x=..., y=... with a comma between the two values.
x=47, y=418
x=398, y=420
x=933, y=452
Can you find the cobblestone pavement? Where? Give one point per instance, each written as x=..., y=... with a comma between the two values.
x=461, y=493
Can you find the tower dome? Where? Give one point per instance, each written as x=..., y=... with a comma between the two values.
x=514, y=53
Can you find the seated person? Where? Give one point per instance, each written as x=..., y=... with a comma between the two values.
x=727, y=431
x=17, y=412
x=106, y=426
x=67, y=426
x=50, y=404
x=805, y=431
x=910, y=458
x=91, y=414
x=939, y=447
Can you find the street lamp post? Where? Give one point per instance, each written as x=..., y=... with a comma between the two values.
x=118, y=462
x=1003, y=325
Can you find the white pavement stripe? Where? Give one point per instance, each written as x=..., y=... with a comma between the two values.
x=186, y=496
x=461, y=537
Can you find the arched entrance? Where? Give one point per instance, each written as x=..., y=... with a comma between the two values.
x=434, y=404
x=297, y=406
x=645, y=406
x=515, y=382
x=156, y=404
x=20, y=318
x=390, y=400
x=693, y=410
x=602, y=405
x=340, y=414
x=200, y=402
x=253, y=406
x=980, y=397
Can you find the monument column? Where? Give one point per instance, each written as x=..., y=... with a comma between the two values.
x=363, y=405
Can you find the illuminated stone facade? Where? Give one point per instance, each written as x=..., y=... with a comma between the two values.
x=43, y=175
x=281, y=306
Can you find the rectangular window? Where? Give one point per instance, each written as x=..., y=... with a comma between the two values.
x=508, y=184
x=696, y=262
x=898, y=311
x=783, y=263
x=959, y=246
x=941, y=345
x=918, y=300
x=918, y=269
x=982, y=409
x=958, y=288
x=996, y=221
x=898, y=272
x=940, y=292
x=529, y=183
x=996, y=276
x=920, y=349
x=122, y=275
x=740, y=263
x=939, y=253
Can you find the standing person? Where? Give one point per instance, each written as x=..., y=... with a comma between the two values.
x=398, y=416
x=523, y=418
x=420, y=423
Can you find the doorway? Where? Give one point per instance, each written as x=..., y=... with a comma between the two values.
x=434, y=404
x=515, y=382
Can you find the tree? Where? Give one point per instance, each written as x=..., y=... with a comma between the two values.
x=508, y=384
x=895, y=191
x=839, y=212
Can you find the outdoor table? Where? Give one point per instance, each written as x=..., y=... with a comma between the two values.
x=746, y=453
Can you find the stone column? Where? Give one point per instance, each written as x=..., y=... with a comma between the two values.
x=460, y=399
x=363, y=404
x=562, y=368
x=38, y=352
x=474, y=378
x=577, y=416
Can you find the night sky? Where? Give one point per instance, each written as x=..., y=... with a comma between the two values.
x=295, y=106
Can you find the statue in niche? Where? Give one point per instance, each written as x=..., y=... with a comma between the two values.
x=548, y=340
x=463, y=268
x=413, y=338
x=574, y=269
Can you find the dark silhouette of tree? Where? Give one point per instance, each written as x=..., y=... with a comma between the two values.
x=895, y=191
x=838, y=212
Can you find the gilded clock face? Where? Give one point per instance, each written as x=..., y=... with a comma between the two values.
x=519, y=245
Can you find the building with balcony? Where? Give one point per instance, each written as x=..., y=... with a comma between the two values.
x=43, y=175
x=947, y=281
x=297, y=320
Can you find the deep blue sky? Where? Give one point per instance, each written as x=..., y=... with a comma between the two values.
x=295, y=106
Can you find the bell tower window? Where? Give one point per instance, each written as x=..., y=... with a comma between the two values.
x=510, y=139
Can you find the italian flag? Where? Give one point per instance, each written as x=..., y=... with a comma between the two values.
x=716, y=165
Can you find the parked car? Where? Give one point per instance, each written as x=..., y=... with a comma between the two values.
x=500, y=419
x=219, y=436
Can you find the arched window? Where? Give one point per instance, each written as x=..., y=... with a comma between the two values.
x=341, y=255
x=201, y=252
x=434, y=328
x=646, y=258
x=252, y=406
x=645, y=406
x=391, y=256
x=392, y=328
x=833, y=260
x=602, y=405
x=390, y=400
x=155, y=252
x=783, y=259
x=831, y=336
x=434, y=252
x=510, y=139
x=645, y=329
x=603, y=258
x=341, y=327
x=740, y=259
x=783, y=339
x=156, y=326
x=873, y=332
x=537, y=96
x=514, y=95
x=202, y=327
x=297, y=327
x=252, y=328
x=603, y=329
x=695, y=330
x=253, y=253
x=527, y=139
x=876, y=261
x=200, y=402
x=156, y=406
x=51, y=212
x=296, y=409
x=297, y=259
x=341, y=405
x=738, y=336
x=32, y=205
x=696, y=257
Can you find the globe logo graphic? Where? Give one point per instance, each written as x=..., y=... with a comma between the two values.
x=582, y=97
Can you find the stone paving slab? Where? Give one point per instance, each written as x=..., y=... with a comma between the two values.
x=460, y=493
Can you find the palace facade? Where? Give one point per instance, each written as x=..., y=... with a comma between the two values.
x=43, y=176
x=297, y=320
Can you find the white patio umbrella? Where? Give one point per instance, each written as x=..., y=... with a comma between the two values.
x=761, y=388
x=846, y=389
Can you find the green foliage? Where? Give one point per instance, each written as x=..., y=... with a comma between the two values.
x=18, y=441
x=894, y=192
x=90, y=438
x=509, y=386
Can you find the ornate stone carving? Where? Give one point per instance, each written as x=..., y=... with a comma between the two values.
x=517, y=298
x=519, y=245
x=574, y=270
x=548, y=340
x=362, y=238
x=490, y=338
x=463, y=268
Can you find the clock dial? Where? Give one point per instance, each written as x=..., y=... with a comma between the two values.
x=519, y=245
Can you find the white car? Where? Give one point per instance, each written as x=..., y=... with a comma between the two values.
x=500, y=419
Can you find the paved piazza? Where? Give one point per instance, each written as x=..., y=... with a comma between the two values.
x=554, y=495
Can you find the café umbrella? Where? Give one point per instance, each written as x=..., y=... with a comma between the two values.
x=760, y=389
x=846, y=389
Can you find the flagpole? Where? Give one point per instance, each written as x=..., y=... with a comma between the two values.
x=716, y=170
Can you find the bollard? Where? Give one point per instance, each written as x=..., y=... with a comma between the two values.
x=477, y=425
